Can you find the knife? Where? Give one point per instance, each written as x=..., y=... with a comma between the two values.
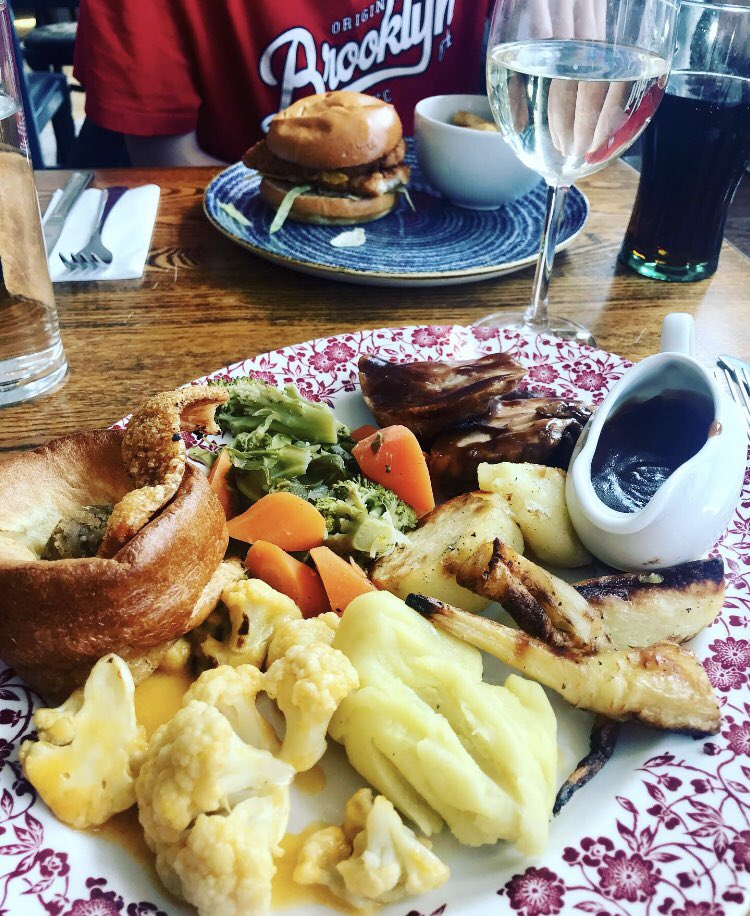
x=53, y=225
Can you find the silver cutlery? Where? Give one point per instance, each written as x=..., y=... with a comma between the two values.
x=53, y=225
x=737, y=377
x=94, y=254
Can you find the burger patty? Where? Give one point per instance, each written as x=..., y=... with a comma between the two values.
x=370, y=180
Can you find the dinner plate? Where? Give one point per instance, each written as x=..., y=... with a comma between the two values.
x=662, y=830
x=436, y=244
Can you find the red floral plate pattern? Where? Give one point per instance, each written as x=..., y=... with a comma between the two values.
x=664, y=830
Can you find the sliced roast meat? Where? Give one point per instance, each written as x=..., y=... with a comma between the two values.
x=535, y=430
x=431, y=397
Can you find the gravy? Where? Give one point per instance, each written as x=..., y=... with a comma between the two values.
x=644, y=442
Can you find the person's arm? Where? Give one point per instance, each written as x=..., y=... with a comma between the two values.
x=174, y=150
x=133, y=58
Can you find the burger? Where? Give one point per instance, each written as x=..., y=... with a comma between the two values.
x=335, y=158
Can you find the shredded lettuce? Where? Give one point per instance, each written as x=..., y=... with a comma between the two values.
x=286, y=205
x=352, y=238
x=407, y=195
x=234, y=214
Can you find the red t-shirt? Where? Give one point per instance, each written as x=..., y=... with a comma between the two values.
x=225, y=67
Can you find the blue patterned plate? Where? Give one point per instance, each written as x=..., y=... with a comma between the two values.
x=438, y=244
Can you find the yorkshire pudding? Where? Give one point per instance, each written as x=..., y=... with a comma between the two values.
x=58, y=616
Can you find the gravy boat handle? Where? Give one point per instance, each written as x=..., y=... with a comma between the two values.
x=678, y=334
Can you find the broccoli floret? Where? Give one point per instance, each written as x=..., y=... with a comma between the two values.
x=282, y=441
x=256, y=405
x=364, y=517
x=266, y=463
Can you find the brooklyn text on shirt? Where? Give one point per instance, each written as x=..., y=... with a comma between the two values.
x=293, y=60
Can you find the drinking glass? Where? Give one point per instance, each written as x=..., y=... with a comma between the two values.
x=696, y=150
x=32, y=360
x=571, y=84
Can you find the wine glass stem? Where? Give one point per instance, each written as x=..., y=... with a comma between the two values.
x=536, y=314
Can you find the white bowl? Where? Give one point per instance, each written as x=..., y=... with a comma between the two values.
x=472, y=168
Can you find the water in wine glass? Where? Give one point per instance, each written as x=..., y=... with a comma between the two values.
x=569, y=106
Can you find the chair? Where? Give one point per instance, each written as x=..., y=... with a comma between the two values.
x=46, y=97
x=50, y=44
x=46, y=11
x=50, y=47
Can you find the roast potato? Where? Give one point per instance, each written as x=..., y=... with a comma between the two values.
x=448, y=535
x=536, y=497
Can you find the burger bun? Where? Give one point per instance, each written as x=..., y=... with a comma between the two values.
x=335, y=130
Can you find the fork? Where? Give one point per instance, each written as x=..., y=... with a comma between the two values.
x=737, y=378
x=93, y=253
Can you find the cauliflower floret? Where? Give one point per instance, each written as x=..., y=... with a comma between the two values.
x=227, y=864
x=89, y=749
x=197, y=769
x=308, y=684
x=196, y=763
x=301, y=633
x=233, y=691
x=255, y=610
x=320, y=854
x=373, y=857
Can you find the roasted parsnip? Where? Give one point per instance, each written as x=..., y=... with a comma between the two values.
x=541, y=604
x=602, y=743
x=663, y=686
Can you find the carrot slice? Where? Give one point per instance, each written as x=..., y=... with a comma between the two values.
x=342, y=581
x=219, y=482
x=362, y=432
x=393, y=457
x=301, y=583
x=283, y=519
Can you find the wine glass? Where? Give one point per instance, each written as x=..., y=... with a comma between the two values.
x=571, y=84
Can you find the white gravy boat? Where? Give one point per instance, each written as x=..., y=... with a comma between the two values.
x=693, y=506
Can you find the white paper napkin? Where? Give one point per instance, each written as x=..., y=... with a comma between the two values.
x=127, y=233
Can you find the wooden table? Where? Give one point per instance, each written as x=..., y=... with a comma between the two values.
x=204, y=302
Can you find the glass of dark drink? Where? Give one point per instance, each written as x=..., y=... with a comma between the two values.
x=697, y=147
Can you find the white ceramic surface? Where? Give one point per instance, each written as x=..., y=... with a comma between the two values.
x=472, y=168
x=692, y=508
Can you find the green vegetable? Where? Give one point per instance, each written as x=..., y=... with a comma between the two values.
x=365, y=518
x=267, y=463
x=283, y=442
x=255, y=405
x=237, y=215
x=202, y=455
x=286, y=205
